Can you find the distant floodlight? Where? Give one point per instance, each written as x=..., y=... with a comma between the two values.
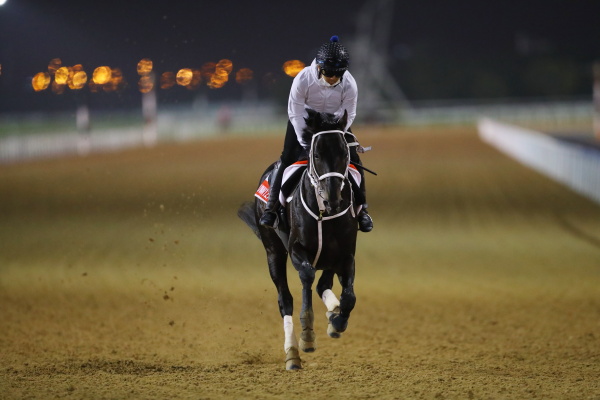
x=225, y=65
x=293, y=67
x=78, y=80
x=102, y=75
x=40, y=81
x=244, y=75
x=146, y=84
x=184, y=76
x=2, y=2
x=144, y=67
x=61, y=75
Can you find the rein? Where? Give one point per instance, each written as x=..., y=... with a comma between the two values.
x=315, y=178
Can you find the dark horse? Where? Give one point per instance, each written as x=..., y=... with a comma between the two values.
x=320, y=234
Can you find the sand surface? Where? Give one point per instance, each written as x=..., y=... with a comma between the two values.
x=128, y=275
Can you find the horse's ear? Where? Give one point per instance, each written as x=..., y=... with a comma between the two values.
x=344, y=120
x=312, y=118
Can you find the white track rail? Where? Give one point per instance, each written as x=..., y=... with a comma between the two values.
x=29, y=147
x=574, y=165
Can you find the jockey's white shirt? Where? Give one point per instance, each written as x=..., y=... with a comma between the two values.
x=308, y=91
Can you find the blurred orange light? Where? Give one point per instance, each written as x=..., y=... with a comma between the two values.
x=244, y=75
x=70, y=77
x=167, y=80
x=78, y=80
x=221, y=74
x=54, y=64
x=225, y=65
x=184, y=76
x=218, y=80
x=146, y=84
x=61, y=76
x=208, y=69
x=293, y=67
x=102, y=75
x=116, y=81
x=40, y=81
x=144, y=67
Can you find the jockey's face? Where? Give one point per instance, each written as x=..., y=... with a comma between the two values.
x=329, y=78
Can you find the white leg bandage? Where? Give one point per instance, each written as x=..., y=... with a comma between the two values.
x=331, y=302
x=290, y=336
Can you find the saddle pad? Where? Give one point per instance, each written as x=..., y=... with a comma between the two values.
x=263, y=190
x=355, y=173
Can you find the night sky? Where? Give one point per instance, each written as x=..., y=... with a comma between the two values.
x=261, y=35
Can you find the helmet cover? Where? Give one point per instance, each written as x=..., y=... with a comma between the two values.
x=333, y=57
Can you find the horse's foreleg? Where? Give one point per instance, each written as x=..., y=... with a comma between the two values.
x=338, y=311
x=277, y=269
x=277, y=259
x=329, y=299
x=339, y=321
x=307, y=337
x=307, y=277
x=333, y=309
x=290, y=346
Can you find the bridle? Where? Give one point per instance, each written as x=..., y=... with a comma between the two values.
x=315, y=180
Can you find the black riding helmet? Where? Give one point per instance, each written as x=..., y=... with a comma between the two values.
x=333, y=58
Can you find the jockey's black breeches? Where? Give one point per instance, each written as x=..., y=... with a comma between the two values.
x=291, y=147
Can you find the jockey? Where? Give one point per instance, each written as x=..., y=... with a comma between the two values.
x=324, y=86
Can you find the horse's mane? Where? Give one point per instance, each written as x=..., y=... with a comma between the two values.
x=321, y=121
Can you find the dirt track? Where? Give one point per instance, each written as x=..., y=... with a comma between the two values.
x=128, y=276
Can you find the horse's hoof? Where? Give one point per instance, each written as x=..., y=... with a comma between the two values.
x=292, y=359
x=338, y=322
x=308, y=340
x=307, y=347
x=332, y=332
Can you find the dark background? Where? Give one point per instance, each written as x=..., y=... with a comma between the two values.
x=462, y=49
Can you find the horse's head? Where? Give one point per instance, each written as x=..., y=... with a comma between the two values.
x=329, y=158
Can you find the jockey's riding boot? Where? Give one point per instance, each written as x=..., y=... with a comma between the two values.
x=269, y=217
x=365, y=223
